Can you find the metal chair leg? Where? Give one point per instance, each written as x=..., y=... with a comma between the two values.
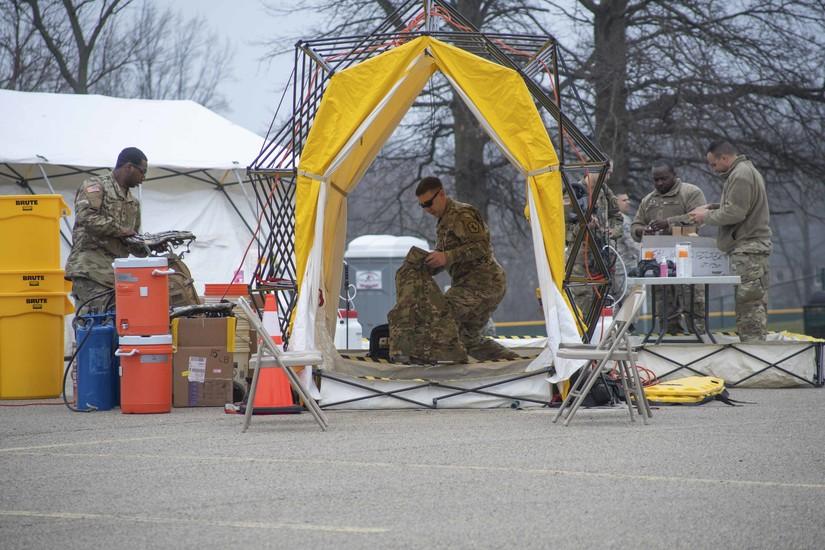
x=575, y=389
x=627, y=388
x=582, y=393
x=250, y=395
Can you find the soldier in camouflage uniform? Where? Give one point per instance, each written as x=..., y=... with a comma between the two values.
x=628, y=249
x=105, y=212
x=743, y=218
x=668, y=205
x=478, y=282
x=605, y=215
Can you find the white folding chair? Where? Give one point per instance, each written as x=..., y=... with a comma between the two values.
x=285, y=360
x=615, y=347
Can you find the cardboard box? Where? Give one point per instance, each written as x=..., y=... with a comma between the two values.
x=195, y=332
x=708, y=260
x=683, y=230
x=202, y=377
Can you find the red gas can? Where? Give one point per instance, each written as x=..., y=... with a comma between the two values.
x=142, y=296
x=145, y=374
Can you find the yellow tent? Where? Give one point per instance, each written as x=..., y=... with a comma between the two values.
x=361, y=107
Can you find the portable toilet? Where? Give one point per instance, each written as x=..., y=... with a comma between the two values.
x=372, y=261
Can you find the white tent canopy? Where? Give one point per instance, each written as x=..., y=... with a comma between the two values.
x=90, y=130
x=197, y=160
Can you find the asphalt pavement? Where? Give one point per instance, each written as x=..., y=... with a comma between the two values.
x=711, y=476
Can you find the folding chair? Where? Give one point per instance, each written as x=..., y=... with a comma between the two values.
x=614, y=347
x=281, y=360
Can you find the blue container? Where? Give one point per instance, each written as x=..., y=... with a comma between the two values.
x=98, y=380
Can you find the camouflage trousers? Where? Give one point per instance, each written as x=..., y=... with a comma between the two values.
x=84, y=291
x=471, y=305
x=678, y=300
x=751, y=295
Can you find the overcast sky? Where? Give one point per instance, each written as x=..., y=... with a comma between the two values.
x=256, y=86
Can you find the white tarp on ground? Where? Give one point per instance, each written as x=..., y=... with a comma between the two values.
x=193, y=153
x=786, y=360
x=780, y=363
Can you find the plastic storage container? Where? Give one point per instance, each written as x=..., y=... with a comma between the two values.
x=145, y=374
x=684, y=260
x=98, y=382
x=31, y=344
x=34, y=281
x=30, y=231
x=348, y=333
x=220, y=290
x=142, y=296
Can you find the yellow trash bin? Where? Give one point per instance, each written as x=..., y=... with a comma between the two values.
x=33, y=281
x=30, y=231
x=31, y=344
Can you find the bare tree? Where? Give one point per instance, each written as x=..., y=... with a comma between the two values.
x=665, y=78
x=72, y=32
x=661, y=79
x=440, y=136
x=113, y=47
x=179, y=59
x=25, y=62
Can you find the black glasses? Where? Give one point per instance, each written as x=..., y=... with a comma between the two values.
x=140, y=169
x=429, y=203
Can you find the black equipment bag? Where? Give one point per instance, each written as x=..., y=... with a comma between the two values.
x=380, y=342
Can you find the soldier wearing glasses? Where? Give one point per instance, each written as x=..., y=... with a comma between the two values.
x=105, y=212
x=463, y=248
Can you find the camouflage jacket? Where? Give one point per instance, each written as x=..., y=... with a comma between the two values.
x=607, y=213
x=104, y=213
x=743, y=215
x=627, y=248
x=672, y=206
x=463, y=236
x=422, y=329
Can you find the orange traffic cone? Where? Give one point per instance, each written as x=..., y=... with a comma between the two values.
x=273, y=394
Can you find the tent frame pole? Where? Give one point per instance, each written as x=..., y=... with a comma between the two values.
x=530, y=55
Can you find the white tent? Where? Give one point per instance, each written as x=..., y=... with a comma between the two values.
x=197, y=161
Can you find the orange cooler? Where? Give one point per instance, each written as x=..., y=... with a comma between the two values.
x=142, y=296
x=145, y=374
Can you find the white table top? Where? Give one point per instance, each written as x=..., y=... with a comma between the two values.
x=708, y=280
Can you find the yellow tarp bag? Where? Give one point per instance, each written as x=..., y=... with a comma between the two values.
x=693, y=390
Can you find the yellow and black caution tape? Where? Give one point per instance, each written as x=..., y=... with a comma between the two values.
x=385, y=379
x=364, y=359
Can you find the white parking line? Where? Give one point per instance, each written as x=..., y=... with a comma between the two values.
x=81, y=516
x=79, y=443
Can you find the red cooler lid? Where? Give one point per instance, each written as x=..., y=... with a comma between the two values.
x=344, y=314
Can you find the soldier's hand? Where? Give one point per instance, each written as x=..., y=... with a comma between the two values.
x=697, y=215
x=436, y=259
x=659, y=225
